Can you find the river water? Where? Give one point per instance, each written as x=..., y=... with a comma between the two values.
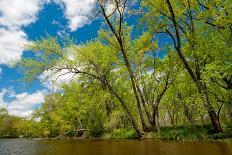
x=111, y=147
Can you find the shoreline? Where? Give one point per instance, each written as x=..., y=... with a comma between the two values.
x=178, y=133
x=225, y=140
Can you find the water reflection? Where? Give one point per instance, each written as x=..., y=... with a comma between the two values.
x=111, y=147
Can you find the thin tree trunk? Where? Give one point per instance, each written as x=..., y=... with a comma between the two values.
x=144, y=103
x=171, y=116
x=188, y=115
x=187, y=112
x=154, y=114
x=202, y=119
x=81, y=132
x=157, y=119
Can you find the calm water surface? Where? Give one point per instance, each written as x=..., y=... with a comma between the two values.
x=110, y=147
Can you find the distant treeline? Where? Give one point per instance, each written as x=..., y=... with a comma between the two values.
x=8, y=124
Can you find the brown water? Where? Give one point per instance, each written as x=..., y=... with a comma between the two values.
x=111, y=147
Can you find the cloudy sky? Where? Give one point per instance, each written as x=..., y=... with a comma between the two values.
x=22, y=21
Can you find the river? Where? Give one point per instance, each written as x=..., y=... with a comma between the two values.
x=111, y=147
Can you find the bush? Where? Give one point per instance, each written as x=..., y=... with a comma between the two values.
x=96, y=131
x=123, y=134
x=182, y=132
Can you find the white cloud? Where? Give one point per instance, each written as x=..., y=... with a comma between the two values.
x=77, y=12
x=53, y=80
x=22, y=104
x=2, y=94
x=11, y=45
x=14, y=14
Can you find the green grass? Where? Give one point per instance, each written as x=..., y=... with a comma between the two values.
x=181, y=132
x=191, y=133
x=227, y=133
x=121, y=134
x=197, y=132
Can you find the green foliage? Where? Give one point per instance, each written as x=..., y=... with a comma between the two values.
x=117, y=72
x=183, y=133
x=8, y=124
x=123, y=134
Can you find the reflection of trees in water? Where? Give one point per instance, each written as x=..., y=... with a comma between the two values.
x=225, y=148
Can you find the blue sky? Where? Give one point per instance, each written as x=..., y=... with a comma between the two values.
x=22, y=21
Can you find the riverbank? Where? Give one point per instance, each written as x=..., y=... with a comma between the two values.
x=193, y=133
x=178, y=133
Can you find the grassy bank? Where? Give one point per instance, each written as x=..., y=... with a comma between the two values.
x=177, y=133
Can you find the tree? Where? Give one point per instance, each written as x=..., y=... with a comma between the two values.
x=180, y=21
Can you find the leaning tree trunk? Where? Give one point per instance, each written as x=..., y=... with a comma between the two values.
x=212, y=114
x=135, y=89
x=129, y=114
x=189, y=115
x=118, y=35
x=229, y=107
x=144, y=103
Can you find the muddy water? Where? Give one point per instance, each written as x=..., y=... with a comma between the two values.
x=111, y=147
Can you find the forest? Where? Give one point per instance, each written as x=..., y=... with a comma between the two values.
x=167, y=76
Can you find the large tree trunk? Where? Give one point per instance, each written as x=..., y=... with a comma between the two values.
x=229, y=107
x=212, y=114
x=155, y=119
